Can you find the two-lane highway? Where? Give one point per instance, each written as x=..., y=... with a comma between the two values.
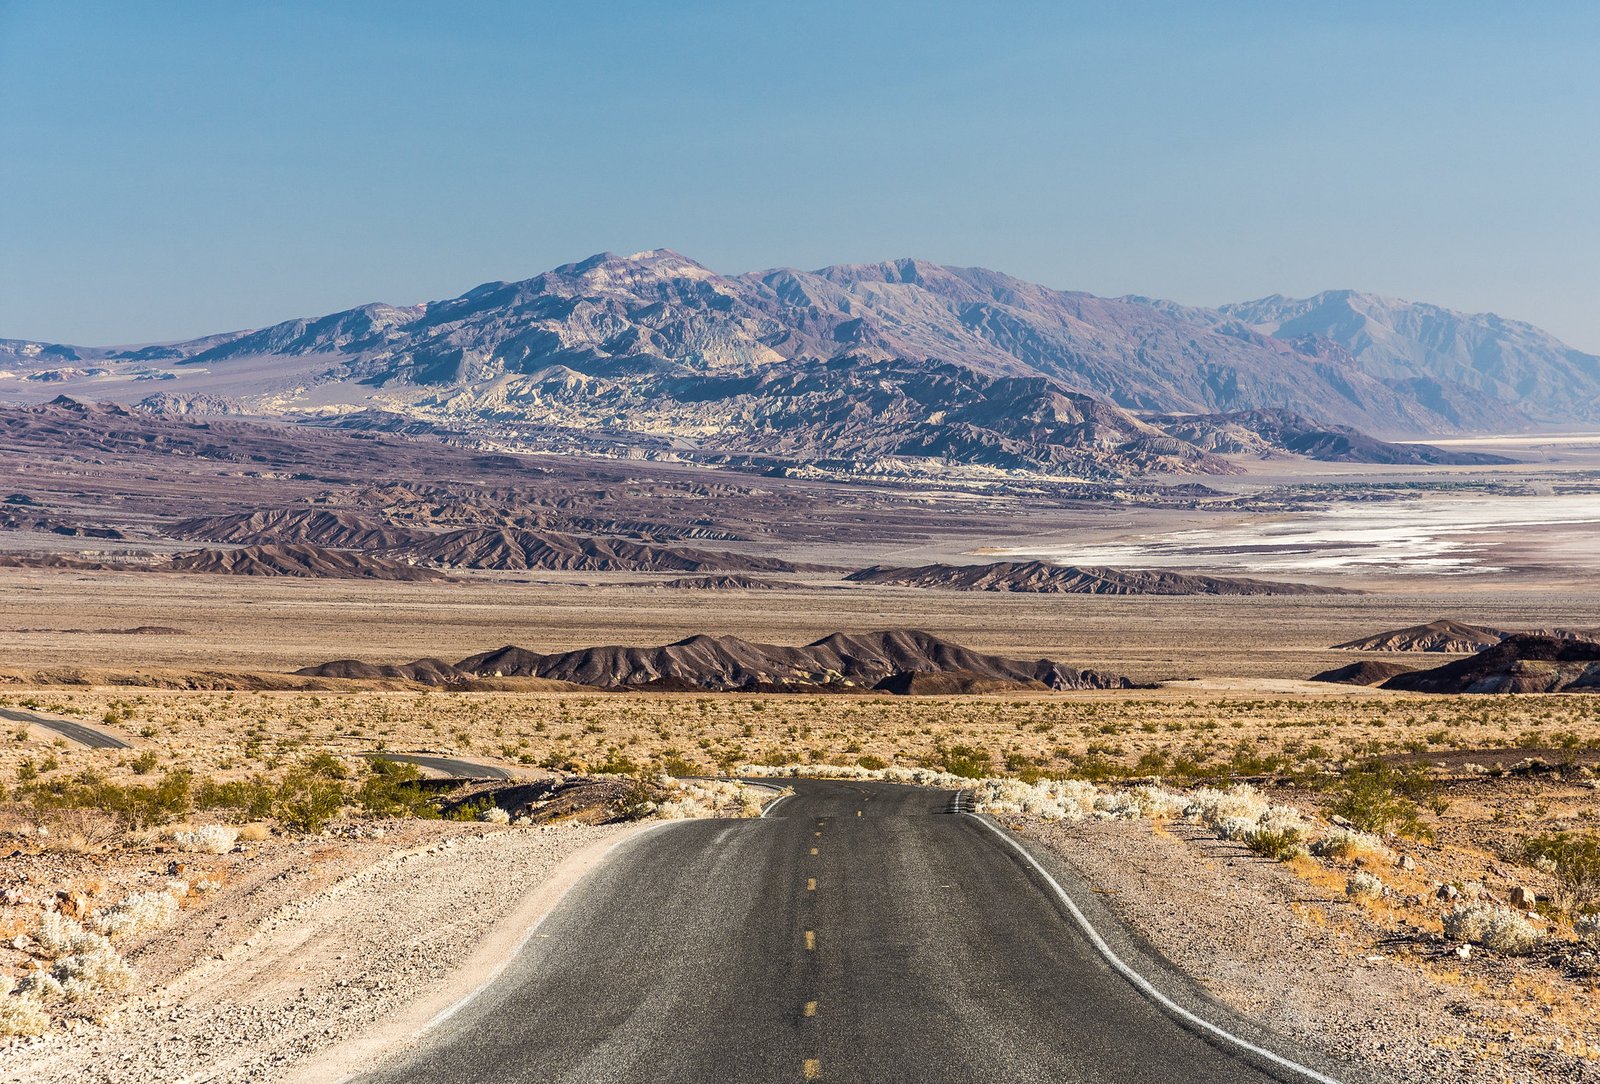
x=82, y=733
x=859, y=932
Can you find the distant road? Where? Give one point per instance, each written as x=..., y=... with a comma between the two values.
x=858, y=932
x=454, y=769
x=78, y=732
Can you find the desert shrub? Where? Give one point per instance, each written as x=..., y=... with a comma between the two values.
x=617, y=764
x=1048, y=799
x=1362, y=885
x=207, y=838
x=677, y=767
x=145, y=762
x=253, y=797
x=470, y=810
x=325, y=765
x=638, y=801
x=1380, y=797
x=495, y=815
x=1575, y=859
x=872, y=763
x=1147, y=800
x=20, y=1014
x=54, y=933
x=966, y=761
x=1498, y=928
x=1343, y=844
x=139, y=912
x=392, y=789
x=1211, y=806
x=1279, y=845
x=307, y=799
x=135, y=806
x=92, y=967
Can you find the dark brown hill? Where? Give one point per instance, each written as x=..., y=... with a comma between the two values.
x=312, y=562
x=1365, y=672
x=1518, y=664
x=723, y=663
x=951, y=683
x=315, y=526
x=553, y=551
x=1446, y=636
x=1044, y=578
x=1454, y=637
x=425, y=671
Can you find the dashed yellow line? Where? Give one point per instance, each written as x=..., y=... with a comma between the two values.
x=811, y=940
x=810, y=1009
x=811, y=884
x=858, y=812
x=813, y=851
x=811, y=1069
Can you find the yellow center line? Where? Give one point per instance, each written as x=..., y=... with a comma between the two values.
x=812, y=1068
x=811, y=884
x=858, y=812
x=811, y=940
x=813, y=850
x=810, y=1009
x=817, y=834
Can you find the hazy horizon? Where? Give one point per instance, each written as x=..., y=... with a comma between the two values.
x=195, y=169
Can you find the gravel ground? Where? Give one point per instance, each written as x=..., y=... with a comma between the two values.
x=316, y=972
x=1313, y=968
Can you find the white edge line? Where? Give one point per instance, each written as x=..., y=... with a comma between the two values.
x=1144, y=985
x=769, y=806
x=446, y=1014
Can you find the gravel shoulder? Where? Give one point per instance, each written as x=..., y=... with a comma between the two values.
x=1308, y=965
x=370, y=957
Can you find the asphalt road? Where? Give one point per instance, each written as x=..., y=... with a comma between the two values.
x=859, y=932
x=78, y=732
x=454, y=769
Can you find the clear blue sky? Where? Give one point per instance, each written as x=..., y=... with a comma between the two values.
x=170, y=169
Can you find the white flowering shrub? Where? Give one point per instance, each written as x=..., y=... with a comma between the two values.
x=706, y=798
x=1048, y=799
x=139, y=912
x=495, y=815
x=1492, y=926
x=21, y=1013
x=1210, y=806
x=1362, y=885
x=39, y=986
x=1345, y=843
x=207, y=838
x=93, y=967
x=1145, y=800
x=54, y=933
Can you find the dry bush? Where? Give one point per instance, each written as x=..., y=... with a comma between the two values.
x=1492, y=926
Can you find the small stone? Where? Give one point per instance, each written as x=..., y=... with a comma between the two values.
x=1464, y=951
x=71, y=904
x=1405, y=861
x=1523, y=898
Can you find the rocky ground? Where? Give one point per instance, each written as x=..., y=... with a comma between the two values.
x=1297, y=955
x=294, y=980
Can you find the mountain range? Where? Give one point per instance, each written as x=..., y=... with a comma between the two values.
x=858, y=368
